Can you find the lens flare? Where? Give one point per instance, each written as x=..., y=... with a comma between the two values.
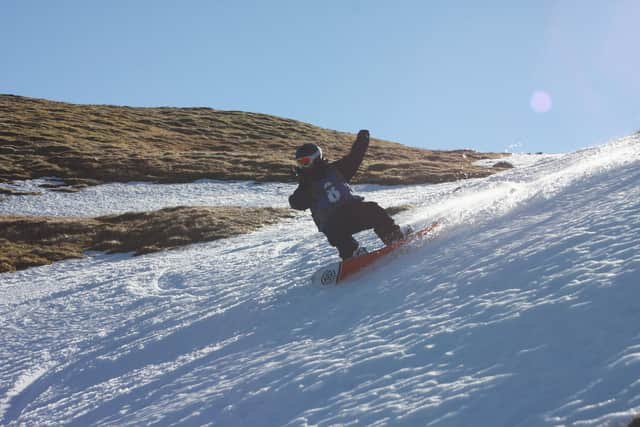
x=540, y=101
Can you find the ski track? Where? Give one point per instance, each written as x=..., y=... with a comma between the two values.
x=522, y=312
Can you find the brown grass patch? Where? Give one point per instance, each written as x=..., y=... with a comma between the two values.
x=32, y=241
x=11, y=192
x=89, y=144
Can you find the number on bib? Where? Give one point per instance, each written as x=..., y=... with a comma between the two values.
x=332, y=193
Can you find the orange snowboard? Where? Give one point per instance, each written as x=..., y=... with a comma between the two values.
x=338, y=271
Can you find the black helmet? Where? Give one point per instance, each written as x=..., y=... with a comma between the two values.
x=307, y=155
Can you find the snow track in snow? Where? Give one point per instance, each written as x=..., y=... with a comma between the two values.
x=523, y=311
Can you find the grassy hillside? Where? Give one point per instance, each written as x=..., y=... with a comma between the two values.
x=29, y=241
x=91, y=144
x=87, y=144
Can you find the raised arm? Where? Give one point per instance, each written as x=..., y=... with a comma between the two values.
x=350, y=163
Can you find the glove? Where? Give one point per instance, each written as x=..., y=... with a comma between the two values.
x=298, y=172
x=363, y=134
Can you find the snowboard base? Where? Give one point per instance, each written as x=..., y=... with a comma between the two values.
x=327, y=275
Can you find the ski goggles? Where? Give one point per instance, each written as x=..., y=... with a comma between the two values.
x=306, y=161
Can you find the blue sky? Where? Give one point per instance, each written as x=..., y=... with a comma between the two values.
x=432, y=74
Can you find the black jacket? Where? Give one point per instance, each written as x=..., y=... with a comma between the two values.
x=307, y=195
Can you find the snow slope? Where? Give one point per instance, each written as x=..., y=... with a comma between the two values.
x=524, y=311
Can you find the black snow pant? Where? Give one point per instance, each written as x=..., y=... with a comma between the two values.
x=356, y=216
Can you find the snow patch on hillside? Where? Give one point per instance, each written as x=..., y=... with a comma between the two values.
x=116, y=198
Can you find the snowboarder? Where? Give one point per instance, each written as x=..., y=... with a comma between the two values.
x=337, y=211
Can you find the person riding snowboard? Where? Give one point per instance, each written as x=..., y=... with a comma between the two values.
x=337, y=211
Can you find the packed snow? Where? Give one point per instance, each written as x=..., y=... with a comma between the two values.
x=522, y=311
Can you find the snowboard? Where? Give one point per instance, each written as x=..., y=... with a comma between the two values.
x=338, y=271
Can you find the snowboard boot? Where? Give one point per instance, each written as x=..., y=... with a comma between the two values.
x=396, y=235
x=407, y=231
x=360, y=250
